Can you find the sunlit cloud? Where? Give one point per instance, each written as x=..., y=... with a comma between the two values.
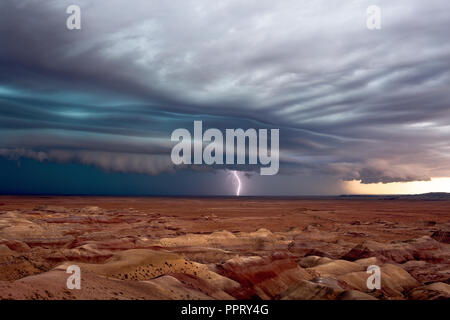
x=414, y=187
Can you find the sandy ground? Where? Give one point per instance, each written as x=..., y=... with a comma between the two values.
x=223, y=248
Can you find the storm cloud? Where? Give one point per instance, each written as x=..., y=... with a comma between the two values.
x=350, y=103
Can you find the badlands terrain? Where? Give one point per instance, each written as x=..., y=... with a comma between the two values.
x=223, y=248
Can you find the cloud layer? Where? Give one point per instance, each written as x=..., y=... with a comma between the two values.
x=350, y=103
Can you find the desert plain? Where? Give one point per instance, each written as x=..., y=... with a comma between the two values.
x=224, y=248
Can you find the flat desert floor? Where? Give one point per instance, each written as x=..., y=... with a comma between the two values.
x=223, y=248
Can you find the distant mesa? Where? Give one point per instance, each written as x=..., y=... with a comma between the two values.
x=423, y=196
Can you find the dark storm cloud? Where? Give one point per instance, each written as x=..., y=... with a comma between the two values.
x=350, y=103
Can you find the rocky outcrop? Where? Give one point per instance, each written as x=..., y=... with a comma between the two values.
x=434, y=291
x=425, y=248
x=262, y=277
x=262, y=253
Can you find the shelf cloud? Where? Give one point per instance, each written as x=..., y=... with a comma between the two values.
x=350, y=103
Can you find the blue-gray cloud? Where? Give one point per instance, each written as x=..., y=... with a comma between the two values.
x=350, y=103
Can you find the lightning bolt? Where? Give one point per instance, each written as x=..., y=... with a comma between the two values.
x=238, y=191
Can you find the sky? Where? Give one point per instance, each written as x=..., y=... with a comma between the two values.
x=91, y=111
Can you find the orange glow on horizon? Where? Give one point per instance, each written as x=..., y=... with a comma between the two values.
x=415, y=187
